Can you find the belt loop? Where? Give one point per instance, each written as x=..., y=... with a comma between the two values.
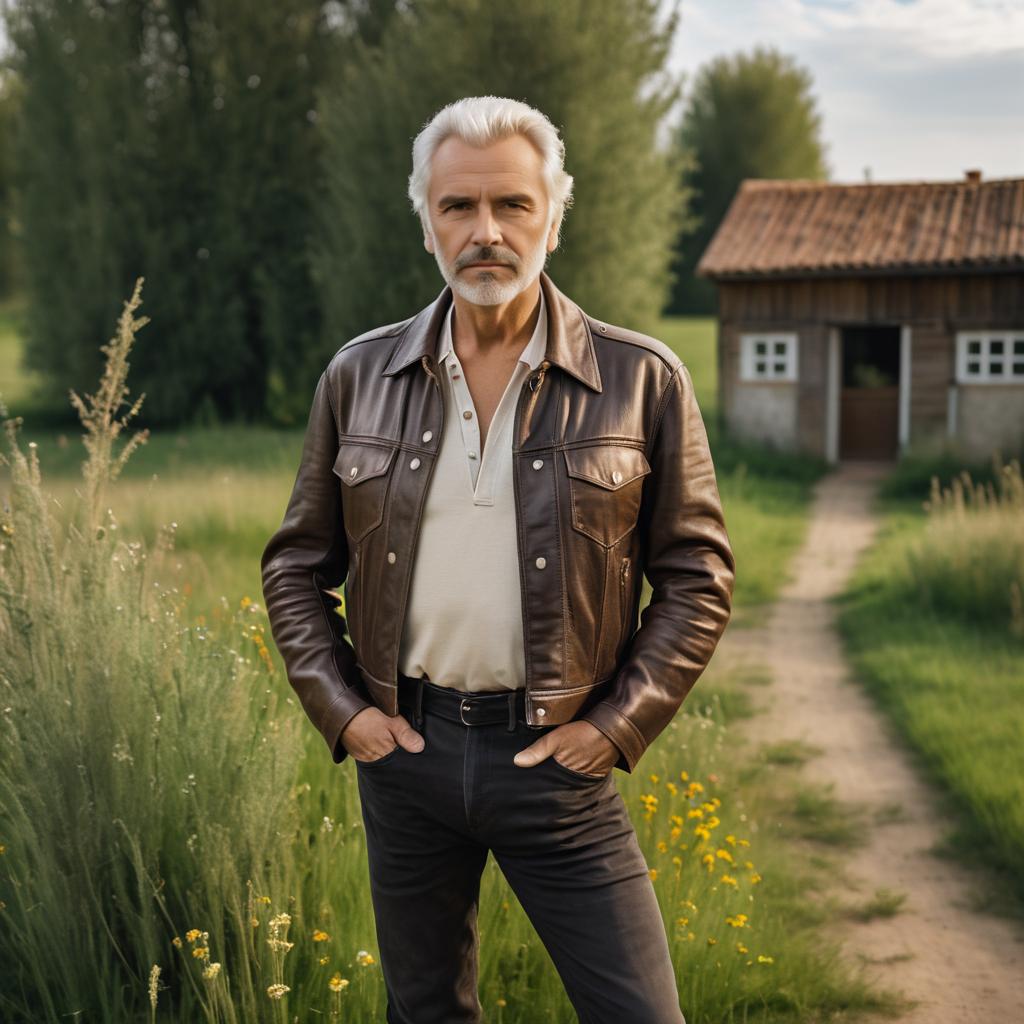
x=418, y=712
x=511, y=710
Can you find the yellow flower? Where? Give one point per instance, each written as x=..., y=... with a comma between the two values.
x=653, y=872
x=337, y=983
x=755, y=878
x=319, y=936
x=653, y=777
x=200, y=951
x=277, y=991
x=324, y=960
x=671, y=787
x=254, y=921
x=737, y=921
x=725, y=855
x=211, y=972
x=245, y=602
x=712, y=941
x=765, y=959
x=501, y=1002
x=176, y=942
x=683, y=776
x=193, y=934
x=365, y=958
x=662, y=846
x=729, y=880
x=740, y=948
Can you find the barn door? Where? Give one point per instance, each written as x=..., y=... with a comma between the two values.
x=869, y=392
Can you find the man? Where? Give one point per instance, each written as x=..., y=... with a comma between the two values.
x=491, y=478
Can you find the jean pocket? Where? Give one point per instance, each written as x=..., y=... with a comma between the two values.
x=378, y=760
x=573, y=774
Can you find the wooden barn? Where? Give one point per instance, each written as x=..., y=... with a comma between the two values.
x=865, y=321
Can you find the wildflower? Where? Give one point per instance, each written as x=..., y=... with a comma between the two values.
x=501, y=1002
x=737, y=921
x=761, y=959
x=154, y=974
x=200, y=951
x=740, y=948
x=755, y=878
x=662, y=846
x=337, y=983
x=211, y=971
x=176, y=942
x=324, y=960
x=365, y=958
x=712, y=940
x=653, y=777
x=671, y=787
x=193, y=934
x=725, y=855
x=319, y=936
x=729, y=880
x=254, y=921
x=277, y=991
x=653, y=872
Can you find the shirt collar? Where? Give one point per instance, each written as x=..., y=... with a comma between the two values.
x=532, y=355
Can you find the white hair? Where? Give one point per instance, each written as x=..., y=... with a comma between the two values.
x=481, y=121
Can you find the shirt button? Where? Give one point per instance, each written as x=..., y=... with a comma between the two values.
x=415, y=464
x=541, y=712
x=467, y=415
x=537, y=463
x=472, y=455
x=541, y=562
x=616, y=476
x=427, y=435
x=392, y=557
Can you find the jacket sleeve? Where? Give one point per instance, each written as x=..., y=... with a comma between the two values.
x=689, y=563
x=305, y=557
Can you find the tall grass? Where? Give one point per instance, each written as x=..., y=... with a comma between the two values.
x=144, y=773
x=969, y=559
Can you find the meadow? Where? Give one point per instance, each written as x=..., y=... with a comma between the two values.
x=175, y=845
x=934, y=624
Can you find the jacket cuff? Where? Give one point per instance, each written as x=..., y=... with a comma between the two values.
x=620, y=730
x=341, y=711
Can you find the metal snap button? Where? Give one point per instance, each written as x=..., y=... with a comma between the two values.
x=415, y=464
x=616, y=476
x=392, y=557
x=427, y=435
x=541, y=562
x=541, y=712
x=537, y=463
x=353, y=471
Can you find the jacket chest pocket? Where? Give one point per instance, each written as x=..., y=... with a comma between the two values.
x=605, y=487
x=364, y=471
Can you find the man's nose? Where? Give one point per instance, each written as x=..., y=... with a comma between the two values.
x=485, y=228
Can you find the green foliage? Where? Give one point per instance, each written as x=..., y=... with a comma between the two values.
x=10, y=98
x=177, y=141
x=595, y=67
x=748, y=116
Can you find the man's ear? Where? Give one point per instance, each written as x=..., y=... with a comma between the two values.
x=552, y=240
x=428, y=237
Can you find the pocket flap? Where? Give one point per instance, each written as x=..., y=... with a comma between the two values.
x=358, y=461
x=607, y=465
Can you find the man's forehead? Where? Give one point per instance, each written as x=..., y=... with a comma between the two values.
x=509, y=163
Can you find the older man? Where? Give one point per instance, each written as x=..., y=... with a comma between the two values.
x=491, y=478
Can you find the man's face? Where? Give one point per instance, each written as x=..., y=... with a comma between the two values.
x=488, y=218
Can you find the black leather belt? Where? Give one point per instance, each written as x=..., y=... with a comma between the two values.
x=420, y=695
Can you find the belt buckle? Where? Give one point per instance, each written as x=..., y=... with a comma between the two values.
x=463, y=704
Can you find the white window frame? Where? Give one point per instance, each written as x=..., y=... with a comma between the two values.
x=750, y=357
x=1011, y=356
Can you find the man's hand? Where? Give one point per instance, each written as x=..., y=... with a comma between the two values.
x=371, y=734
x=579, y=745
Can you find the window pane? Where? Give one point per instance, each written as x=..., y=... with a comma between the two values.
x=974, y=347
x=760, y=367
x=780, y=368
x=995, y=346
x=1018, y=346
x=995, y=368
x=974, y=367
x=1018, y=369
x=780, y=348
x=761, y=348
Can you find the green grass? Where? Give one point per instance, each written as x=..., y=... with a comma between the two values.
x=948, y=671
x=226, y=490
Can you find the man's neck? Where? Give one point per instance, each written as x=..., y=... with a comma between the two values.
x=485, y=331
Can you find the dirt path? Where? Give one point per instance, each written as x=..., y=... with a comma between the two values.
x=963, y=966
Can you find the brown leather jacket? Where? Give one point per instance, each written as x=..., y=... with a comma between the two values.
x=612, y=478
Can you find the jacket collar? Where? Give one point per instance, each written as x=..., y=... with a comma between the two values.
x=569, y=343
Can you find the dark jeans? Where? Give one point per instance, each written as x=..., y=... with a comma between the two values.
x=564, y=842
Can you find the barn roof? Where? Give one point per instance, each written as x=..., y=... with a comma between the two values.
x=805, y=228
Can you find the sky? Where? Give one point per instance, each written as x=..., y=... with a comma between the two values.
x=911, y=89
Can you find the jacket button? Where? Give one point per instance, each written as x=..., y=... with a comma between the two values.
x=353, y=471
x=415, y=464
x=537, y=463
x=616, y=476
x=392, y=557
x=427, y=435
x=541, y=562
x=541, y=712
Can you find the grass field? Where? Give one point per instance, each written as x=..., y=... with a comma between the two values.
x=160, y=764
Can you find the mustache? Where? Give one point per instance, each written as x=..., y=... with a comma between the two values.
x=488, y=254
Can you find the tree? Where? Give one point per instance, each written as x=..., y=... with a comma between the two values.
x=176, y=141
x=595, y=67
x=748, y=116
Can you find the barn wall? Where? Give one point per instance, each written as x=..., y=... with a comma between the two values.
x=935, y=308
